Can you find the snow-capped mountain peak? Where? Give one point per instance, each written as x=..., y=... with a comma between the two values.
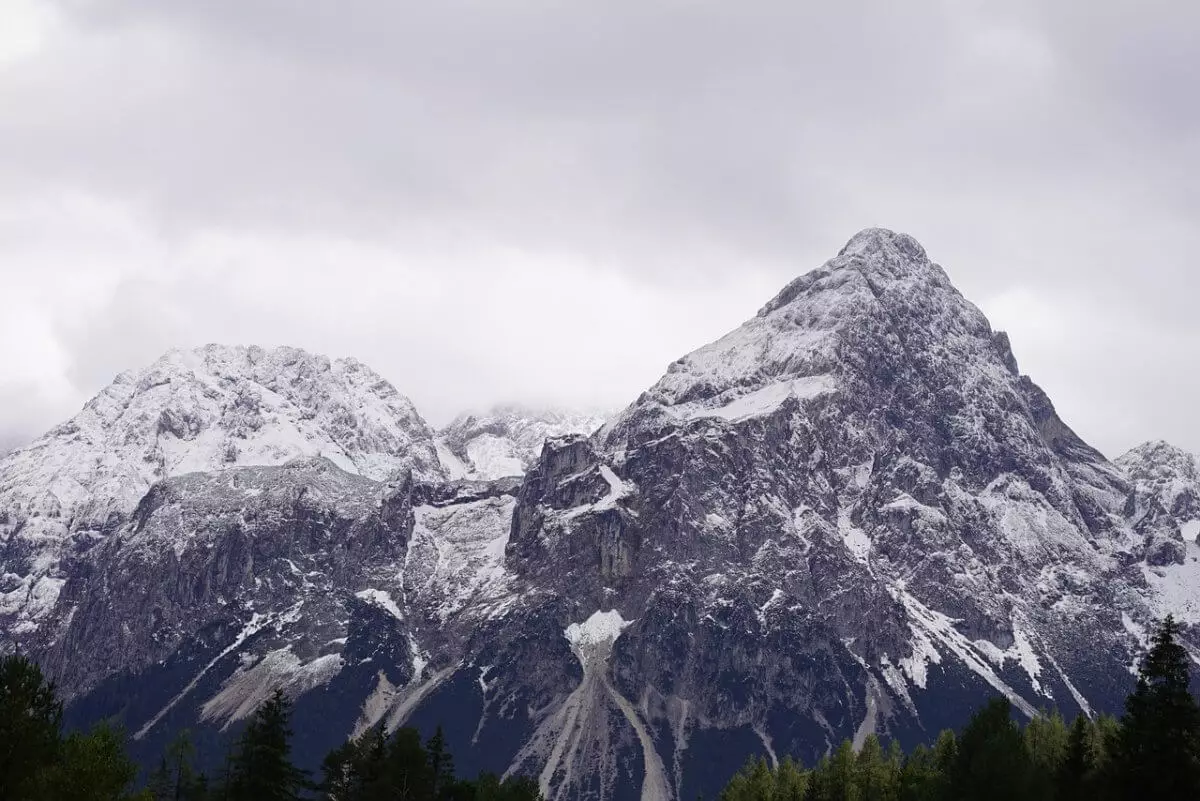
x=1167, y=481
x=878, y=301
x=1161, y=461
x=204, y=409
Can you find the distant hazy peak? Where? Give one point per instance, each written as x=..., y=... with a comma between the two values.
x=507, y=439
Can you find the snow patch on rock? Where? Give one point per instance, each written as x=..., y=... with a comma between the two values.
x=936, y=627
x=601, y=629
x=758, y=402
x=382, y=599
x=456, y=560
x=1176, y=588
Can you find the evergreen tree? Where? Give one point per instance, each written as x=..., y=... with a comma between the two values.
x=995, y=759
x=441, y=764
x=1158, y=750
x=843, y=774
x=159, y=783
x=92, y=767
x=761, y=784
x=992, y=763
x=1102, y=779
x=791, y=781
x=357, y=771
x=1071, y=780
x=738, y=788
x=895, y=759
x=1046, y=744
x=944, y=757
x=30, y=725
x=374, y=767
x=488, y=788
x=340, y=779
x=408, y=767
x=819, y=782
x=945, y=753
x=223, y=792
x=261, y=768
x=522, y=788
x=181, y=780
x=874, y=773
x=920, y=779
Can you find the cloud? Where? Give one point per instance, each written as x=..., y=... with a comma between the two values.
x=524, y=200
x=27, y=24
x=1112, y=372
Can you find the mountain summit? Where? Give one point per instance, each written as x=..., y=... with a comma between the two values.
x=852, y=514
x=212, y=408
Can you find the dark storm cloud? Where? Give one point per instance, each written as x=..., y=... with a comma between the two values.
x=432, y=187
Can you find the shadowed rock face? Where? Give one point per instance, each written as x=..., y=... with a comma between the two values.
x=851, y=514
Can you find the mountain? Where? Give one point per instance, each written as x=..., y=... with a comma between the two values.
x=1165, y=509
x=852, y=514
x=506, y=440
x=1167, y=486
x=213, y=408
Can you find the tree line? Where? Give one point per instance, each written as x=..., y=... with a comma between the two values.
x=1151, y=752
x=39, y=763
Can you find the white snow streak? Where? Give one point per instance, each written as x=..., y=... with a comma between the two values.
x=1078, y=696
x=654, y=782
x=929, y=625
x=257, y=622
x=617, y=489
x=574, y=725
x=870, y=721
x=248, y=688
x=768, y=745
x=759, y=402
x=382, y=599
x=856, y=540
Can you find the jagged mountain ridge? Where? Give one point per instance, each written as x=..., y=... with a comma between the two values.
x=207, y=409
x=851, y=514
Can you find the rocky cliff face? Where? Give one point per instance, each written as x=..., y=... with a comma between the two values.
x=853, y=514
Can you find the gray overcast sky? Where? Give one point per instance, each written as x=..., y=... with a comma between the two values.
x=494, y=200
